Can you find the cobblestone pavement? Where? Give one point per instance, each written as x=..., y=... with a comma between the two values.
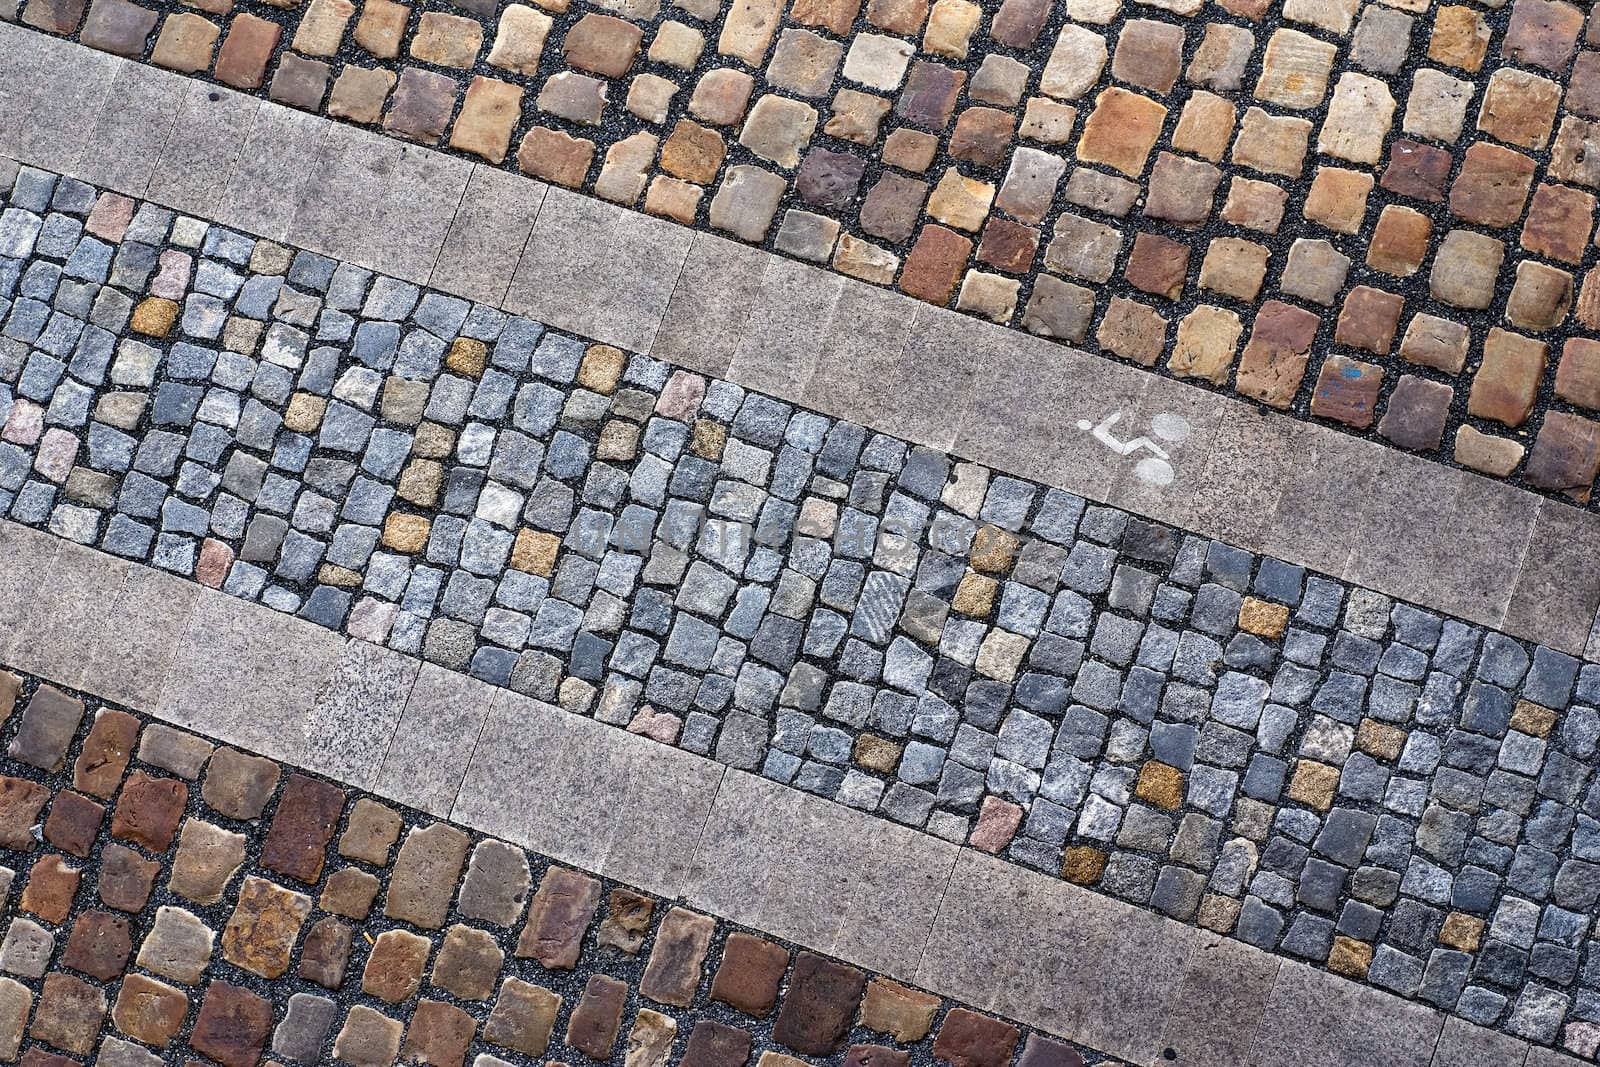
x=1377, y=214
x=171, y=895
x=1226, y=739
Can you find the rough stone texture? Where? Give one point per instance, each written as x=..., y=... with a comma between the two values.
x=424, y=877
x=305, y=821
x=820, y=1006
x=673, y=972
x=558, y=917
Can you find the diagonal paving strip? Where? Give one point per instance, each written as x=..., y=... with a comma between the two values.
x=220, y=871
x=1470, y=547
x=431, y=741
x=958, y=922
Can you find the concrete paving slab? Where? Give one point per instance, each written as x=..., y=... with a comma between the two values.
x=488, y=235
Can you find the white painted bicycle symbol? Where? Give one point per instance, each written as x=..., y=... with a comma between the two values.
x=1156, y=469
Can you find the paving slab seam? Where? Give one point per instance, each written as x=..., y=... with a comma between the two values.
x=1347, y=223
x=1048, y=748
x=1460, y=525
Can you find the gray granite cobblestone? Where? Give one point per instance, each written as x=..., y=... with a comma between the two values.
x=1223, y=738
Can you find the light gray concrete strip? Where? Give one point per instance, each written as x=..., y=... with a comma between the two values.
x=819, y=873
x=347, y=730
x=895, y=899
x=518, y=735
x=599, y=270
x=129, y=661
x=1463, y=1045
x=933, y=378
x=380, y=203
x=705, y=316
x=866, y=333
x=1039, y=392
x=1213, y=1016
x=428, y=751
x=1127, y=966
x=986, y=918
x=208, y=687
x=1192, y=421
x=745, y=808
x=246, y=674
x=488, y=235
x=206, y=140
x=122, y=150
x=1318, y=522
x=1235, y=494
x=665, y=802
x=1316, y=1019
x=587, y=794
x=51, y=92
x=1558, y=588
x=60, y=621
x=25, y=557
x=787, y=328
x=276, y=166
x=1454, y=538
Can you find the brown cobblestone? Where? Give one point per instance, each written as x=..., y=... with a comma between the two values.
x=714, y=1044
x=425, y=874
x=69, y=1014
x=49, y=721
x=73, y=823
x=1566, y=455
x=420, y=107
x=178, y=946
x=307, y=816
x=126, y=878
x=261, y=933
x=748, y=976
x=468, y=962
x=595, y=1021
x=904, y=1014
x=1416, y=414
x=1133, y=331
x=523, y=1018
x=99, y=766
x=237, y=785
x=558, y=916
x=1347, y=391
x=1276, y=355
x=820, y=1006
x=99, y=945
x=1157, y=265
x=967, y=1039
x=325, y=953
x=148, y=810
x=1506, y=383
x=438, y=1034
x=673, y=973
x=394, y=968
x=368, y=1038
x=299, y=82
x=349, y=892
x=149, y=1011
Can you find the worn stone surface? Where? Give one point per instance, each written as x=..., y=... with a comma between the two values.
x=266, y=921
x=820, y=1006
x=305, y=821
x=558, y=918
x=424, y=877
